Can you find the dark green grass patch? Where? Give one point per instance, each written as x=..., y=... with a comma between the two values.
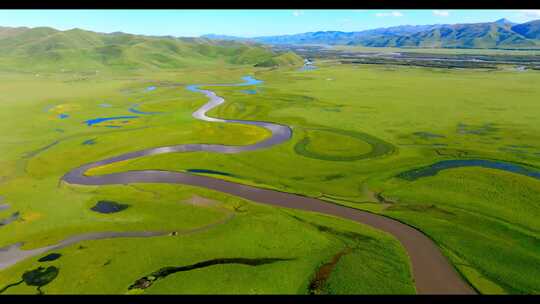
x=341, y=145
x=38, y=277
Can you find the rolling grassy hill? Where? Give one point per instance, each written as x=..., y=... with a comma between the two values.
x=46, y=49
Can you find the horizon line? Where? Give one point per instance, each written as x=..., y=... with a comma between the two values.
x=251, y=37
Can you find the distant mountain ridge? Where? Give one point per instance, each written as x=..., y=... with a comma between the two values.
x=499, y=34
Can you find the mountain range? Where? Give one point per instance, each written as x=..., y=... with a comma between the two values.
x=45, y=48
x=499, y=34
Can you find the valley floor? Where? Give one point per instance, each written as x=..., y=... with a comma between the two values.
x=358, y=131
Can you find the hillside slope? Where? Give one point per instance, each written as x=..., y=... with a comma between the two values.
x=45, y=48
x=529, y=29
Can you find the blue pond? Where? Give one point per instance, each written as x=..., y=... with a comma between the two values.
x=249, y=81
x=150, y=88
x=94, y=121
x=62, y=116
x=458, y=163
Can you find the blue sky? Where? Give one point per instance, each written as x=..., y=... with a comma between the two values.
x=247, y=23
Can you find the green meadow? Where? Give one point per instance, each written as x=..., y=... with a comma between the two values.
x=40, y=147
x=355, y=129
x=401, y=118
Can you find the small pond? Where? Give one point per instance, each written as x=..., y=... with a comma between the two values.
x=109, y=207
x=94, y=121
x=50, y=257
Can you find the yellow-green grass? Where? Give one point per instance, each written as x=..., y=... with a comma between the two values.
x=326, y=143
x=38, y=148
x=111, y=266
x=341, y=145
x=479, y=210
x=429, y=115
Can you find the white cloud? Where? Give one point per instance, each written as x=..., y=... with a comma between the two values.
x=524, y=15
x=441, y=13
x=391, y=14
x=530, y=13
x=297, y=13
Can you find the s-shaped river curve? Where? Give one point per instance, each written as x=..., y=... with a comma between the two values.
x=432, y=272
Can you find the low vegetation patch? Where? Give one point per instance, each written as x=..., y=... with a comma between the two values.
x=341, y=145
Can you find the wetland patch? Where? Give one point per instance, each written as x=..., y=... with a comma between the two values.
x=105, y=206
x=134, y=109
x=98, y=120
x=481, y=130
x=89, y=142
x=50, y=257
x=316, y=286
x=428, y=135
x=38, y=277
x=250, y=92
x=148, y=280
x=433, y=169
x=208, y=171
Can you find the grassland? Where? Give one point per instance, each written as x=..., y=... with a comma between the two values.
x=355, y=128
x=39, y=147
x=484, y=219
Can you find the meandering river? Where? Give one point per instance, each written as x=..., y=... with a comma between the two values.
x=432, y=272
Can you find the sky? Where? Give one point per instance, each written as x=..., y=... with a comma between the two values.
x=247, y=23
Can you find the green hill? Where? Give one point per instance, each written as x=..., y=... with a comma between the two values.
x=10, y=31
x=44, y=49
x=286, y=59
